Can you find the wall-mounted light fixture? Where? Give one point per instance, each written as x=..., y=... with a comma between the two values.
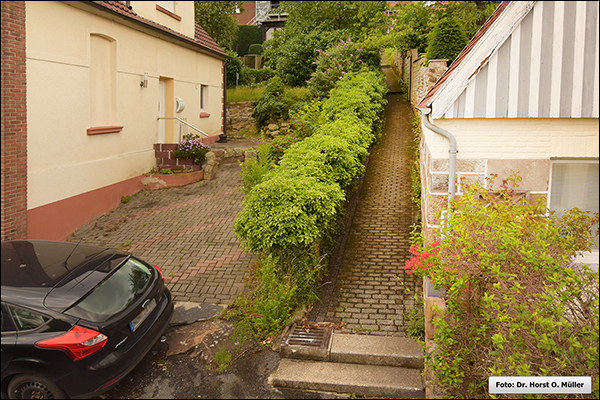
x=144, y=82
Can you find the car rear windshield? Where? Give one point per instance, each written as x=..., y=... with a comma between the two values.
x=114, y=294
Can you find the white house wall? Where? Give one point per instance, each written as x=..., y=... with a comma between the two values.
x=63, y=161
x=547, y=68
x=183, y=9
x=524, y=138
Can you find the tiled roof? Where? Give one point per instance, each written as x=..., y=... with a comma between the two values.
x=201, y=37
x=456, y=63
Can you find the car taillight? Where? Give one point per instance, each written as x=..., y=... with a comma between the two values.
x=160, y=272
x=78, y=342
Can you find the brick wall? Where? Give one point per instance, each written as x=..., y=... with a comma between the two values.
x=14, y=122
x=165, y=159
x=248, y=14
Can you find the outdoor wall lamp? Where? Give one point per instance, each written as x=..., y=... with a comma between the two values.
x=144, y=82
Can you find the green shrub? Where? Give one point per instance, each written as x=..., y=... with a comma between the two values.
x=336, y=61
x=255, y=48
x=272, y=105
x=293, y=209
x=283, y=213
x=341, y=160
x=251, y=76
x=351, y=128
x=515, y=303
x=254, y=170
x=278, y=146
x=447, y=40
x=233, y=68
x=357, y=95
x=305, y=118
x=291, y=56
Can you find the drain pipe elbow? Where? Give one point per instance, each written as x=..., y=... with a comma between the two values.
x=452, y=159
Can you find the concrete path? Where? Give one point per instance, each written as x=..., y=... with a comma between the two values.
x=369, y=290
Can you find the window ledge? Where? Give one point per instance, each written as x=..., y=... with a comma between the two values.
x=99, y=130
x=169, y=13
x=204, y=115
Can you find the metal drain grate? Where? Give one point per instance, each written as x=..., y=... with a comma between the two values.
x=309, y=336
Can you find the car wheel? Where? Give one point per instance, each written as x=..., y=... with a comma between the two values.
x=33, y=387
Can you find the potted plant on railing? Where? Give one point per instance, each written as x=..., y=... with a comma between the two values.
x=192, y=148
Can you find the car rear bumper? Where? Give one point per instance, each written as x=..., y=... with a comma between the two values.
x=118, y=364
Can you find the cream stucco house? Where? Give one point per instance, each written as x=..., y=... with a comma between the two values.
x=96, y=85
x=521, y=97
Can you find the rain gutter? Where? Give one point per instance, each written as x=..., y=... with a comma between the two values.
x=452, y=159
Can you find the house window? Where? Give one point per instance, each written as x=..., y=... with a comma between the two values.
x=204, y=101
x=103, y=85
x=575, y=184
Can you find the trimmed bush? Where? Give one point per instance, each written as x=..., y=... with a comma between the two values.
x=447, y=40
x=359, y=95
x=255, y=48
x=341, y=160
x=282, y=213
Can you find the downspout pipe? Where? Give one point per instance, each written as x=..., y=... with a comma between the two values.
x=452, y=159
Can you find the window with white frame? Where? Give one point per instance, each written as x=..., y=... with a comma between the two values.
x=574, y=183
x=203, y=98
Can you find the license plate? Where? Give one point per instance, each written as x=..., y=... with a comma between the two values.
x=149, y=306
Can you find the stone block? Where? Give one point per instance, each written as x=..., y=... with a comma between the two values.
x=439, y=183
x=535, y=173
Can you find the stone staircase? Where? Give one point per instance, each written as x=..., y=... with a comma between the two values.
x=319, y=359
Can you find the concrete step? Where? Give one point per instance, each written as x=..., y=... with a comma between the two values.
x=360, y=349
x=358, y=379
x=376, y=350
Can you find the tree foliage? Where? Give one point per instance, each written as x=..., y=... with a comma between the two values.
x=357, y=18
x=291, y=55
x=447, y=40
x=313, y=25
x=413, y=21
x=218, y=20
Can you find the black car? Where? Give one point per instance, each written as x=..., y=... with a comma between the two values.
x=76, y=318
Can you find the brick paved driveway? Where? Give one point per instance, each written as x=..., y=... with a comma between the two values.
x=187, y=232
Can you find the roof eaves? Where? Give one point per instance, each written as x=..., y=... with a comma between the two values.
x=475, y=55
x=119, y=9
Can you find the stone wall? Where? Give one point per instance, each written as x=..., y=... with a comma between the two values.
x=417, y=77
x=239, y=116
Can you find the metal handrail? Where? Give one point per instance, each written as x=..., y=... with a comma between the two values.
x=184, y=122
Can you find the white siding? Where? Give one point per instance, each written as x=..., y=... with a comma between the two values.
x=547, y=68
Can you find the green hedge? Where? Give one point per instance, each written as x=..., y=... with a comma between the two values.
x=292, y=212
x=247, y=36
